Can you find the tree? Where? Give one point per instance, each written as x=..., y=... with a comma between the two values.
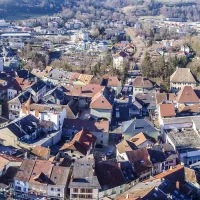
x=147, y=67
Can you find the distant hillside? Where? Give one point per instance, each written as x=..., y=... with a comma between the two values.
x=8, y=7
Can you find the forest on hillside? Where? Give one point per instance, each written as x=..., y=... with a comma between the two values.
x=185, y=9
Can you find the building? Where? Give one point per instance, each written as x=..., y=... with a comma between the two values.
x=38, y=90
x=112, y=82
x=163, y=157
x=187, y=96
x=141, y=162
x=185, y=142
x=28, y=132
x=47, y=112
x=101, y=106
x=41, y=178
x=123, y=147
x=141, y=140
x=144, y=85
x=81, y=145
x=177, y=183
x=111, y=178
x=120, y=60
x=98, y=128
x=84, y=183
x=166, y=110
x=7, y=161
x=180, y=78
x=134, y=126
x=15, y=104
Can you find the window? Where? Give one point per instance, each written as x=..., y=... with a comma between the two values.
x=83, y=190
x=88, y=190
x=58, y=189
x=75, y=190
x=81, y=196
x=58, y=194
x=74, y=195
x=52, y=189
x=89, y=196
x=18, y=188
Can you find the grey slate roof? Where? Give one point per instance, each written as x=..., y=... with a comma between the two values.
x=133, y=127
x=83, y=175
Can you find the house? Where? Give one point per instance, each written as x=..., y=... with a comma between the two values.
x=132, y=127
x=180, y=78
x=15, y=104
x=81, y=145
x=188, y=110
x=41, y=152
x=186, y=143
x=83, y=79
x=163, y=157
x=187, y=96
x=161, y=98
x=141, y=162
x=148, y=103
x=6, y=181
x=41, y=178
x=28, y=132
x=123, y=147
x=112, y=82
x=72, y=109
x=177, y=183
x=98, y=128
x=101, y=105
x=84, y=183
x=144, y=85
x=120, y=60
x=166, y=111
x=56, y=96
x=140, y=140
x=7, y=161
x=38, y=90
x=111, y=178
x=47, y=112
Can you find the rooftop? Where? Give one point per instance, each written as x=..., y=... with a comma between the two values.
x=182, y=75
x=186, y=138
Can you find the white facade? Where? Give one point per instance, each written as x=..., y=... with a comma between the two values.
x=175, y=86
x=56, y=117
x=14, y=110
x=118, y=62
x=21, y=186
x=11, y=93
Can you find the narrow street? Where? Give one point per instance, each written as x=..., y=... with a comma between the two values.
x=140, y=45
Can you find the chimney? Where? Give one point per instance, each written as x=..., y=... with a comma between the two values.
x=178, y=185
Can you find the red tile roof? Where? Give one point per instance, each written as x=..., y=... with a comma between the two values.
x=82, y=142
x=167, y=110
x=187, y=95
x=99, y=101
x=142, y=82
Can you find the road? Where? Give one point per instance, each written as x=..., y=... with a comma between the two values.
x=140, y=45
